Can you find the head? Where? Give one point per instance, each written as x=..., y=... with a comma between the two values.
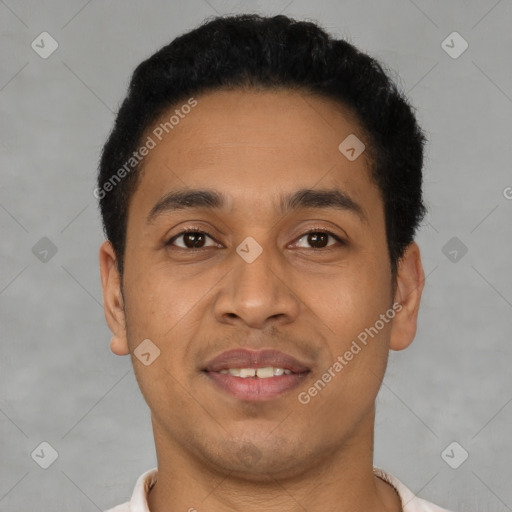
x=234, y=133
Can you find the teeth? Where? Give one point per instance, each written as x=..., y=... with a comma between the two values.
x=265, y=373
x=262, y=373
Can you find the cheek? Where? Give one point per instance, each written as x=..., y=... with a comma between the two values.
x=158, y=310
x=357, y=352
x=159, y=300
x=166, y=308
x=349, y=306
x=353, y=298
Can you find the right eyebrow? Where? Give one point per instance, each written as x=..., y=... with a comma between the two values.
x=181, y=199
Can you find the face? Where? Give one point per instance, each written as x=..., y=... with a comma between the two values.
x=283, y=250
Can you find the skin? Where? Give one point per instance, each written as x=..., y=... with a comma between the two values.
x=216, y=452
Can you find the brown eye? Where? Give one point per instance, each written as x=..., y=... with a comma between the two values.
x=191, y=240
x=318, y=240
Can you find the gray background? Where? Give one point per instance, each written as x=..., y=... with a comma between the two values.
x=59, y=382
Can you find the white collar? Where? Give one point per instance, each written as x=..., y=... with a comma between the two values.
x=410, y=502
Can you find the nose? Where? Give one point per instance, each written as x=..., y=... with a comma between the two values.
x=257, y=294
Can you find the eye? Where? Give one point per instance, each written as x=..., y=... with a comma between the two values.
x=318, y=239
x=192, y=239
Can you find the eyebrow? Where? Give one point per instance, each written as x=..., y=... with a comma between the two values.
x=213, y=199
x=327, y=198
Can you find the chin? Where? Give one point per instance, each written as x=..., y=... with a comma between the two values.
x=261, y=461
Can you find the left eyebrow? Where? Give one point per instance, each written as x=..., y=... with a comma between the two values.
x=326, y=198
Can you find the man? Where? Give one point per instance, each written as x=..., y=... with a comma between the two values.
x=260, y=193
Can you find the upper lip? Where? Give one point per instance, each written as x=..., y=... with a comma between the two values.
x=245, y=358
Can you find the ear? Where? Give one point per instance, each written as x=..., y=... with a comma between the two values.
x=409, y=286
x=113, y=299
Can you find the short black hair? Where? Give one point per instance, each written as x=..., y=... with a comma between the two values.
x=249, y=50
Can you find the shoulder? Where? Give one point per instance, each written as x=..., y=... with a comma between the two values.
x=125, y=507
x=410, y=502
x=138, y=501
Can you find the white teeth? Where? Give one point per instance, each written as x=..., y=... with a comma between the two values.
x=262, y=373
x=265, y=373
x=247, y=372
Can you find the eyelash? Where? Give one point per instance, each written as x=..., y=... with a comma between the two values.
x=202, y=231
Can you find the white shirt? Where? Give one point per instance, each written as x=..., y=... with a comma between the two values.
x=139, y=501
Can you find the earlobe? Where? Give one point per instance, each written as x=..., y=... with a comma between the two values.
x=113, y=299
x=410, y=283
x=118, y=346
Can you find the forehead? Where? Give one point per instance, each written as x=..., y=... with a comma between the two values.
x=244, y=120
x=252, y=145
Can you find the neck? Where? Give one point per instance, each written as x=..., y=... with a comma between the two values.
x=341, y=480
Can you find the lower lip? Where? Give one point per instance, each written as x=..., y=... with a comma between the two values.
x=254, y=388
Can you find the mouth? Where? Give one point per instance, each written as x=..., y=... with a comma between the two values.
x=256, y=375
